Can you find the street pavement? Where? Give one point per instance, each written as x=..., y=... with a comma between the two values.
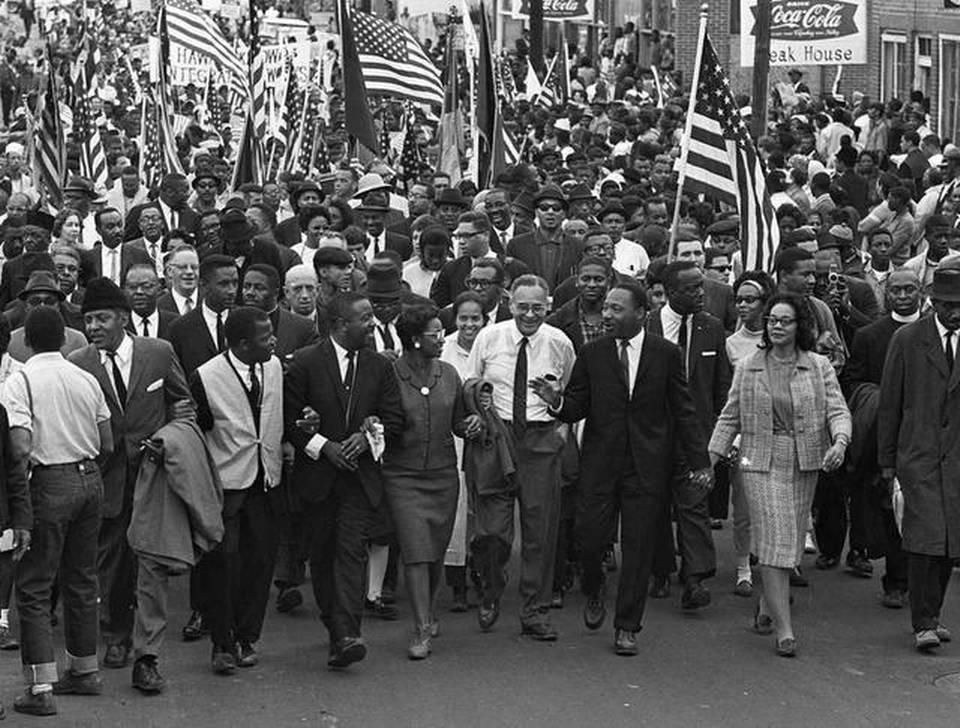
x=856, y=667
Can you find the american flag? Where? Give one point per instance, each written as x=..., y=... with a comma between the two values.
x=49, y=156
x=291, y=116
x=718, y=157
x=507, y=83
x=666, y=86
x=214, y=104
x=556, y=87
x=159, y=154
x=392, y=61
x=410, y=158
x=93, y=160
x=258, y=81
x=192, y=28
x=303, y=162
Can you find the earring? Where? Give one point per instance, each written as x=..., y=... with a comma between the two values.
x=416, y=344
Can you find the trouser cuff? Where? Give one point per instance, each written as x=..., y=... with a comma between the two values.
x=44, y=672
x=82, y=665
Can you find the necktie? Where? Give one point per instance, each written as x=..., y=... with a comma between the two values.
x=187, y=305
x=520, y=389
x=146, y=326
x=114, y=267
x=682, y=340
x=118, y=379
x=348, y=377
x=625, y=362
x=221, y=343
x=255, y=393
x=153, y=252
x=948, y=349
x=388, y=343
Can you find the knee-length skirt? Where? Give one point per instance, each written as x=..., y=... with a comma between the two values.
x=423, y=505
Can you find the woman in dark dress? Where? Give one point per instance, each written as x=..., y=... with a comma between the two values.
x=420, y=467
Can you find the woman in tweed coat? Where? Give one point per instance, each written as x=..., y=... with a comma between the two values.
x=786, y=405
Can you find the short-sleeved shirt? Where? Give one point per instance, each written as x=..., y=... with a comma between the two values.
x=67, y=406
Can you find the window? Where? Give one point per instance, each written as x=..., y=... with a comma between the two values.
x=949, y=105
x=893, y=61
x=923, y=63
x=660, y=15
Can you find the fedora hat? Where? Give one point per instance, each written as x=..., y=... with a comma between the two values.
x=307, y=186
x=550, y=192
x=450, y=196
x=375, y=202
x=102, y=293
x=41, y=281
x=383, y=280
x=235, y=227
x=580, y=192
x=80, y=184
x=371, y=182
x=946, y=285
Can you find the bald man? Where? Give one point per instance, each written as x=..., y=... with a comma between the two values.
x=300, y=287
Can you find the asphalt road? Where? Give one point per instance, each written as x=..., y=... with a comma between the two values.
x=856, y=667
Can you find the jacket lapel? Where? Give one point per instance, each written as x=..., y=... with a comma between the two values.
x=137, y=365
x=935, y=351
x=642, y=366
x=104, y=377
x=333, y=372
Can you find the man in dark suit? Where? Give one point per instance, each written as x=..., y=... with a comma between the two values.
x=331, y=390
x=487, y=279
x=305, y=194
x=702, y=342
x=261, y=289
x=864, y=371
x=173, y=204
x=918, y=441
x=497, y=206
x=631, y=389
x=182, y=274
x=16, y=271
x=543, y=250
x=111, y=257
x=915, y=164
x=151, y=241
x=197, y=337
x=239, y=244
x=142, y=288
x=145, y=388
x=718, y=299
x=373, y=211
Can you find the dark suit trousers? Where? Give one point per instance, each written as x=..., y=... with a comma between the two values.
x=831, y=517
x=339, y=529
x=241, y=567
x=694, y=538
x=567, y=549
x=641, y=512
x=928, y=577
x=537, y=488
x=117, y=577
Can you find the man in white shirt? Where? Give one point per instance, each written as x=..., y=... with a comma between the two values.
x=129, y=193
x=183, y=267
x=630, y=258
x=419, y=273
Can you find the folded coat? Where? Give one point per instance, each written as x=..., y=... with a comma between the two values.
x=488, y=460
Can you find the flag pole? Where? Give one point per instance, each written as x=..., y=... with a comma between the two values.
x=685, y=146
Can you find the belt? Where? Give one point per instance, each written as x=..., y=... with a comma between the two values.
x=535, y=424
x=782, y=432
x=81, y=465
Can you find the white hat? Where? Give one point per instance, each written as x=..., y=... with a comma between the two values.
x=108, y=94
x=562, y=124
x=14, y=148
x=370, y=182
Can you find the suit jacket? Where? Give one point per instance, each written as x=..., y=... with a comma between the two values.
x=166, y=303
x=156, y=382
x=191, y=341
x=709, y=373
x=919, y=436
x=263, y=251
x=293, y=332
x=91, y=266
x=288, y=232
x=864, y=308
x=526, y=247
x=163, y=330
x=449, y=282
x=16, y=314
x=398, y=243
x=855, y=188
x=16, y=510
x=638, y=431
x=313, y=379
x=16, y=272
x=719, y=302
x=819, y=412
x=868, y=353
x=131, y=226
x=141, y=244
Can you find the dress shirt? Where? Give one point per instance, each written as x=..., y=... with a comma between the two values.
x=88, y=233
x=170, y=216
x=108, y=258
x=492, y=314
x=315, y=444
x=507, y=234
x=155, y=251
x=153, y=323
x=180, y=301
x=494, y=358
x=64, y=420
x=243, y=370
x=124, y=360
x=942, y=333
x=670, y=322
x=376, y=245
x=391, y=326
x=634, y=349
x=417, y=277
x=210, y=319
x=305, y=252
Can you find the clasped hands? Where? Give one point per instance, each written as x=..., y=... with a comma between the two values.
x=343, y=455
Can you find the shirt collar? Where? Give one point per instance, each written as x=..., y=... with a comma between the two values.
x=124, y=352
x=636, y=342
x=515, y=334
x=210, y=314
x=942, y=330
x=671, y=314
x=180, y=298
x=341, y=352
x=915, y=316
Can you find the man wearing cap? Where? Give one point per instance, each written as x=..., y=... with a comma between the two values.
x=937, y=233
x=373, y=210
x=581, y=202
x=542, y=249
x=374, y=182
x=629, y=258
x=919, y=443
x=111, y=257
x=79, y=194
x=239, y=243
x=173, y=205
x=304, y=194
x=450, y=205
x=42, y=290
x=142, y=382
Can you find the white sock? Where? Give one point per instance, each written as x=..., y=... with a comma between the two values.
x=39, y=688
x=376, y=570
x=4, y=617
x=743, y=570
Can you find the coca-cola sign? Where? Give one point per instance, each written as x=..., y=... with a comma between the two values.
x=556, y=9
x=808, y=32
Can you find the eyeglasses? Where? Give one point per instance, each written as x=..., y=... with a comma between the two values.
x=464, y=236
x=721, y=268
x=436, y=335
x=480, y=283
x=536, y=308
x=749, y=300
x=550, y=208
x=783, y=321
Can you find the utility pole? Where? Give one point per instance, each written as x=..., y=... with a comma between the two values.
x=536, y=36
x=761, y=69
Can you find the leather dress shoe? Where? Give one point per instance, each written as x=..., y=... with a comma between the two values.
x=625, y=643
x=825, y=563
x=660, y=588
x=894, y=599
x=943, y=633
x=72, y=684
x=858, y=565
x=7, y=640
x=388, y=595
x=289, y=599
x=594, y=612
x=380, y=609
x=146, y=676
x=541, y=630
x=195, y=628
x=460, y=604
x=787, y=647
x=744, y=588
x=246, y=655
x=347, y=651
x=695, y=596
x=488, y=614
x=762, y=623
x=926, y=639
x=223, y=662
x=35, y=703
x=116, y=656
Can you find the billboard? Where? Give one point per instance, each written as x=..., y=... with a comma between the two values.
x=558, y=10
x=808, y=32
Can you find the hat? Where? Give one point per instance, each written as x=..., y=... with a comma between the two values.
x=550, y=192
x=613, y=206
x=383, y=280
x=307, y=186
x=580, y=192
x=370, y=182
x=80, y=184
x=936, y=222
x=523, y=201
x=235, y=227
x=729, y=226
x=946, y=284
x=450, y=196
x=381, y=168
x=562, y=124
x=951, y=152
x=331, y=255
x=41, y=219
x=41, y=281
x=103, y=293
x=14, y=148
x=205, y=175
x=795, y=72
x=375, y=202
x=245, y=187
